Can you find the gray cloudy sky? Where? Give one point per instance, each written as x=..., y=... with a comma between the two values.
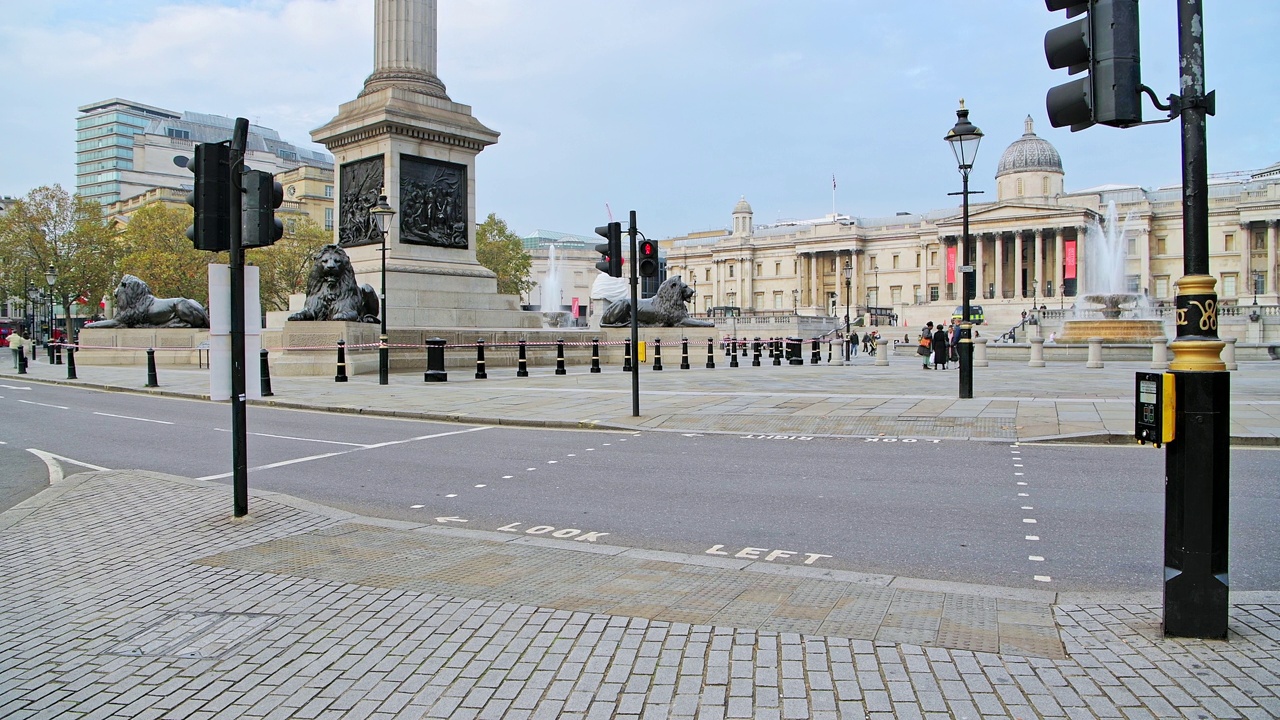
x=674, y=108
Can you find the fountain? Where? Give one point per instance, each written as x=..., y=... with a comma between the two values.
x=553, y=312
x=1121, y=316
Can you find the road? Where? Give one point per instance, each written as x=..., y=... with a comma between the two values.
x=1053, y=517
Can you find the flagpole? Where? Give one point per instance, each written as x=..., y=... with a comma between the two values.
x=833, y=197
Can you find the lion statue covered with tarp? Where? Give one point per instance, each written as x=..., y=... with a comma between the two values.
x=136, y=307
x=664, y=309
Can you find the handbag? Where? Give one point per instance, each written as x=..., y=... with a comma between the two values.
x=923, y=348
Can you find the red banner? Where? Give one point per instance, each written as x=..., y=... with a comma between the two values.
x=575, y=307
x=1069, y=250
x=951, y=263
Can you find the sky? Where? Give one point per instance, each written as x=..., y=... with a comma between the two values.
x=672, y=108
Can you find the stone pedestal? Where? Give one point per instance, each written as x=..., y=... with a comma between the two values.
x=128, y=346
x=1159, y=354
x=311, y=348
x=1095, y=353
x=980, y=352
x=882, y=352
x=1229, y=353
x=1037, y=353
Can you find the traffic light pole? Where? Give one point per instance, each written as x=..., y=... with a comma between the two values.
x=239, y=420
x=1197, y=460
x=635, y=323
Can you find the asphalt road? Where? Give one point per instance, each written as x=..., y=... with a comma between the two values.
x=1048, y=517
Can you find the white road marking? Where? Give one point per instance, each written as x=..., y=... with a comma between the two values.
x=552, y=462
x=55, y=469
x=507, y=477
x=1029, y=521
x=1043, y=578
x=1035, y=558
x=14, y=387
x=416, y=507
x=1033, y=537
x=30, y=402
x=129, y=417
x=452, y=495
x=1022, y=483
x=1027, y=507
x=1019, y=474
x=314, y=440
x=571, y=455
x=530, y=469
x=282, y=463
x=449, y=519
x=481, y=485
x=1024, y=495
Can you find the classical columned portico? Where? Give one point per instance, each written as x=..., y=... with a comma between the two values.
x=1037, y=265
x=1058, y=262
x=979, y=285
x=1080, y=264
x=1273, y=230
x=1017, y=264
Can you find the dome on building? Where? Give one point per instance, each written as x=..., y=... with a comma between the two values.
x=742, y=207
x=1030, y=153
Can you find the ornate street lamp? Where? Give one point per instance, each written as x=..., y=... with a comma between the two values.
x=848, y=292
x=51, y=278
x=795, y=301
x=382, y=214
x=964, y=139
x=33, y=296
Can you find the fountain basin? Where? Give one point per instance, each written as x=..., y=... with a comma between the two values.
x=1111, y=331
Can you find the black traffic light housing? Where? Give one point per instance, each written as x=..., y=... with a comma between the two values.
x=211, y=197
x=611, y=250
x=262, y=195
x=1104, y=44
x=647, y=262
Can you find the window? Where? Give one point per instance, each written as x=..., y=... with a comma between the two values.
x=708, y=275
x=1132, y=248
x=1229, y=284
x=731, y=299
x=328, y=218
x=328, y=191
x=916, y=294
x=895, y=293
x=1044, y=186
x=759, y=269
x=1259, y=283
x=758, y=300
x=1133, y=283
x=1260, y=240
x=730, y=274
x=178, y=133
x=1229, y=242
x=917, y=259
x=777, y=268
x=933, y=260
x=1162, y=246
x=833, y=264
x=1162, y=286
x=777, y=299
x=933, y=293
x=1019, y=187
x=895, y=261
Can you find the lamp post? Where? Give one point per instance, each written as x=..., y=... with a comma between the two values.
x=795, y=301
x=848, y=292
x=1062, y=293
x=695, y=296
x=51, y=278
x=1034, y=303
x=964, y=139
x=382, y=213
x=33, y=296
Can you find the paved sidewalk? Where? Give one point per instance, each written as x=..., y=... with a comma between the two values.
x=1012, y=401
x=165, y=606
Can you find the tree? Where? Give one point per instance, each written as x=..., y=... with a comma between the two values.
x=500, y=250
x=156, y=249
x=51, y=227
x=284, y=266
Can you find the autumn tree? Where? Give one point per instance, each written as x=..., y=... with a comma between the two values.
x=156, y=249
x=283, y=267
x=50, y=227
x=501, y=250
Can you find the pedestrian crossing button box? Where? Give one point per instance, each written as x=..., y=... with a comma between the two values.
x=1153, y=409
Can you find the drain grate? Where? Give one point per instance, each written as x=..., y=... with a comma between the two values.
x=194, y=634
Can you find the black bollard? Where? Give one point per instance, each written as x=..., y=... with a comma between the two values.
x=727, y=350
x=342, y=361
x=435, y=361
x=744, y=348
x=755, y=352
x=522, y=364
x=733, y=354
x=152, y=380
x=560, y=357
x=71, y=362
x=711, y=356
x=817, y=352
x=626, y=356
x=265, y=373
x=684, y=353
x=48, y=347
x=22, y=361
x=657, y=354
x=57, y=354
x=480, y=373
x=795, y=351
x=775, y=350
x=595, y=355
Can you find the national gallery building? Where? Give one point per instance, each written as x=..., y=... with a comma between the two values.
x=1030, y=247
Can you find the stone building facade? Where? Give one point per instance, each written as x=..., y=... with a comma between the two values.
x=1030, y=249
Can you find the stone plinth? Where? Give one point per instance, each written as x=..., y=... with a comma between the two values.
x=128, y=346
x=311, y=348
x=1037, y=353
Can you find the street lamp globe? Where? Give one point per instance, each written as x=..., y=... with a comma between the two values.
x=382, y=213
x=51, y=275
x=964, y=139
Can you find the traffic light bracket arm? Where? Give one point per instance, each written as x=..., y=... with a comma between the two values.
x=1177, y=103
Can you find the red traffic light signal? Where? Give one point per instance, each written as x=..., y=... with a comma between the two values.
x=647, y=264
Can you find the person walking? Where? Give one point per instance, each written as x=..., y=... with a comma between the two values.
x=926, y=339
x=941, y=354
x=16, y=343
x=954, y=341
x=853, y=343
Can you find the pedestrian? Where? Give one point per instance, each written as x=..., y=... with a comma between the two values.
x=926, y=339
x=16, y=344
x=853, y=343
x=954, y=341
x=939, y=345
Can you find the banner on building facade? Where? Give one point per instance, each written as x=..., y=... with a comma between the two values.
x=951, y=264
x=1069, y=253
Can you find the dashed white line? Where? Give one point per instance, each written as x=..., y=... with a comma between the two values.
x=1033, y=537
x=1029, y=521
x=129, y=417
x=1035, y=558
x=1043, y=578
x=31, y=402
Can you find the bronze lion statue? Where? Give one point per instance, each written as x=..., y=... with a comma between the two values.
x=665, y=309
x=332, y=292
x=136, y=307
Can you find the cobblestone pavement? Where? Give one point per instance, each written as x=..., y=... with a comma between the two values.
x=137, y=595
x=1064, y=401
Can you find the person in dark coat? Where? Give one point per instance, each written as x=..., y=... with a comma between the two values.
x=939, y=346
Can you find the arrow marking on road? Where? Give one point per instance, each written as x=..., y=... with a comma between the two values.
x=449, y=519
x=55, y=469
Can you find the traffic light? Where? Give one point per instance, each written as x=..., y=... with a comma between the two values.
x=612, y=250
x=211, y=197
x=647, y=263
x=262, y=195
x=1103, y=44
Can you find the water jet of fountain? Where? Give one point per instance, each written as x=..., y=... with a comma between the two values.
x=1124, y=313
